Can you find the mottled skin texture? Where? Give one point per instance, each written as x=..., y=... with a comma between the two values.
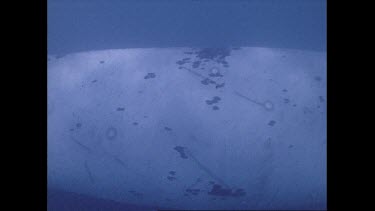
x=253, y=130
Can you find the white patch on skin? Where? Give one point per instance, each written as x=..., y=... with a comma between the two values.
x=214, y=70
x=268, y=105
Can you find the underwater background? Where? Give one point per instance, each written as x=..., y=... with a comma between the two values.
x=83, y=25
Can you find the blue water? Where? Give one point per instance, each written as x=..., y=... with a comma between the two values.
x=83, y=25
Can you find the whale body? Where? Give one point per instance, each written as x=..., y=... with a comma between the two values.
x=190, y=128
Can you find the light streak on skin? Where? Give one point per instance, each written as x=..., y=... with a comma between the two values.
x=266, y=105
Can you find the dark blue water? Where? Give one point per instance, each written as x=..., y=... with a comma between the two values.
x=83, y=25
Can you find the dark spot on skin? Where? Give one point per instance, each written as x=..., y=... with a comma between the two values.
x=205, y=81
x=285, y=90
x=215, y=75
x=215, y=108
x=172, y=172
x=120, y=109
x=217, y=54
x=220, y=85
x=101, y=62
x=72, y=129
x=181, y=150
x=180, y=62
x=236, y=48
x=94, y=81
x=135, y=123
x=317, y=78
x=321, y=99
x=150, y=75
x=171, y=178
x=180, y=67
x=78, y=125
x=145, y=116
x=209, y=102
x=167, y=129
x=225, y=65
x=224, y=62
x=271, y=123
x=286, y=100
x=294, y=105
x=111, y=133
x=196, y=64
x=290, y=146
x=214, y=100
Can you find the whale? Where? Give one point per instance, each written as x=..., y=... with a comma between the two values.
x=190, y=127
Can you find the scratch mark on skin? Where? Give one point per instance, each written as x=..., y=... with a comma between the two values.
x=81, y=145
x=248, y=99
x=205, y=169
x=266, y=105
x=120, y=161
x=206, y=80
x=195, y=73
x=89, y=172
